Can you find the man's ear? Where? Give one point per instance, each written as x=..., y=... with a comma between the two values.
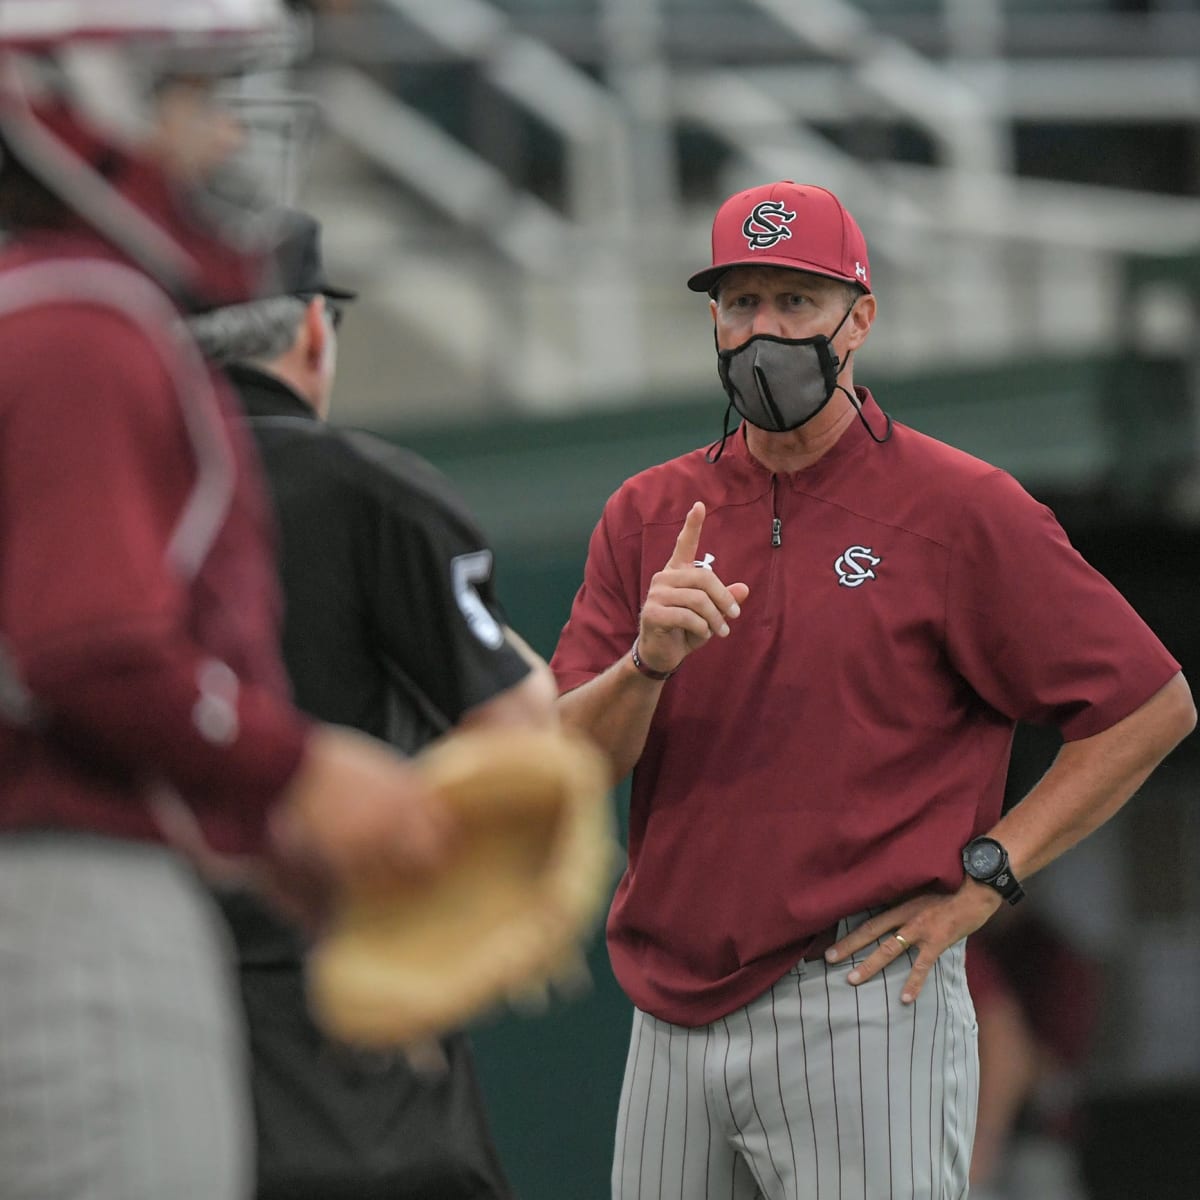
x=862, y=318
x=316, y=332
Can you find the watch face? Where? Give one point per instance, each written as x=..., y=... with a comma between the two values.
x=983, y=860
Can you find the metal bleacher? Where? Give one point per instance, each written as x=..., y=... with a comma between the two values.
x=519, y=187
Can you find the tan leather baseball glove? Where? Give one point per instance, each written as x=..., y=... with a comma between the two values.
x=533, y=860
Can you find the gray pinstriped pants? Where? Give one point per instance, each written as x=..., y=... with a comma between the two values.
x=816, y=1090
x=122, y=1074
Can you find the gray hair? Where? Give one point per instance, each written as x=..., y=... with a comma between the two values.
x=256, y=332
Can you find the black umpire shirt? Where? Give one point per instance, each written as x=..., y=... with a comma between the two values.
x=391, y=626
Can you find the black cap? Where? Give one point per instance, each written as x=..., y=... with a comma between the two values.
x=297, y=269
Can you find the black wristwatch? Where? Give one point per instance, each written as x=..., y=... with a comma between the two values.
x=986, y=861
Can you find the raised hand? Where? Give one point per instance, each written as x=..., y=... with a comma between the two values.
x=686, y=604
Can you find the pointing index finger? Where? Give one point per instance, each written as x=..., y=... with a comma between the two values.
x=688, y=542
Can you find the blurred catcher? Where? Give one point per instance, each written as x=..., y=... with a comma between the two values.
x=143, y=705
x=392, y=626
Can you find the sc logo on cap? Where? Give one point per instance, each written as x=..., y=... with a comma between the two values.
x=761, y=229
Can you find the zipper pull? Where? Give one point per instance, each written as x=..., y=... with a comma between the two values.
x=776, y=532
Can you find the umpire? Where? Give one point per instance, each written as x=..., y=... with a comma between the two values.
x=392, y=626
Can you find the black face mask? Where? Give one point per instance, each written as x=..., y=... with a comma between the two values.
x=780, y=383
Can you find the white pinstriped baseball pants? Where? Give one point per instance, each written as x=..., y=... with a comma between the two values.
x=816, y=1090
x=122, y=1069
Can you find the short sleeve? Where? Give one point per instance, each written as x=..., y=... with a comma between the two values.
x=1038, y=633
x=433, y=592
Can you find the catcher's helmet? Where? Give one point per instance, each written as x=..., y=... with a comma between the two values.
x=80, y=87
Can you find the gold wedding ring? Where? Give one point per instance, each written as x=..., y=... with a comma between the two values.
x=905, y=944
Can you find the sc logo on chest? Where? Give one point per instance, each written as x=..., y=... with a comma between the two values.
x=855, y=565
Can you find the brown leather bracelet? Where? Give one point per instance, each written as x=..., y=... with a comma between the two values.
x=649, y=672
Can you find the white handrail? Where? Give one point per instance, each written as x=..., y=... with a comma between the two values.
x=586, y=281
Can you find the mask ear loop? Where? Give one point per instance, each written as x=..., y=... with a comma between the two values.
x=719, y=446
x=709, y=456
x=854, y=400
x=887, y=433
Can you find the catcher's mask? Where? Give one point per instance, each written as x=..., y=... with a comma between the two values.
x=86, y=90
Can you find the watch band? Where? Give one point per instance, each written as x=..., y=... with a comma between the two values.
x=649, y=672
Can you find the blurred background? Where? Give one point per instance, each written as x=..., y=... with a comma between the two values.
x=519, y=188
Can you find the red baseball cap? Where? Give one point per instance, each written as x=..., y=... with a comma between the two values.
x=786, y=224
